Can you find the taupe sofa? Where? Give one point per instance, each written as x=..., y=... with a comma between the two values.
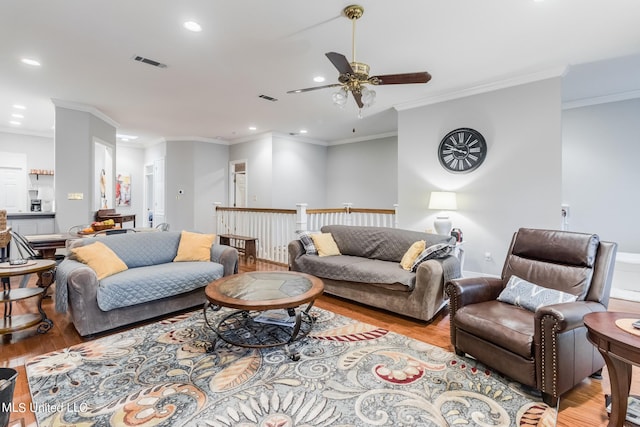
x=368, y=270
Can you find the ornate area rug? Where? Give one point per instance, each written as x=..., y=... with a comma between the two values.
x=349, y=374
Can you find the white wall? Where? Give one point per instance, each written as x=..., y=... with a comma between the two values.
x=131, y=160
x=299, y=173
x=363, y=173
x=601, y=148
x=519, y=184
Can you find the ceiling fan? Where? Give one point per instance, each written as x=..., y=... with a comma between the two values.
x=354, y=76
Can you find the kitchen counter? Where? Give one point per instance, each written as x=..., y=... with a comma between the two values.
x=30, y=215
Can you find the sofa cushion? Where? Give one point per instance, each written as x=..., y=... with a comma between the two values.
x=100, y=259
x=325, y=244
x=139, y=249
x=194, y=247
x=383, y=243
x=356, y=269
x=307, y=242
x=143, y=284
x=439, y=250
x=531, y=296
x=412, y=254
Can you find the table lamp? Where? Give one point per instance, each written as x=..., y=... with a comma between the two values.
x=443, y=201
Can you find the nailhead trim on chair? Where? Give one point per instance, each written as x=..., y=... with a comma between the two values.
x=554, y=348
x=454, y=302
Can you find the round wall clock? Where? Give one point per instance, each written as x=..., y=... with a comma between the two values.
x=462, y=150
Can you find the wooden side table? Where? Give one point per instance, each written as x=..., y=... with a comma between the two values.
x=620, y=348
x=46, y=275
x=247, y=247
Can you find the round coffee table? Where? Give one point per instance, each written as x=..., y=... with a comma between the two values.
x=267, y=304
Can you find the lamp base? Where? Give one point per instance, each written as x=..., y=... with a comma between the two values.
x=443, y=225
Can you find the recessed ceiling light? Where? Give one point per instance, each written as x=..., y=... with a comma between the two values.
x=15, y=122
x=318, y=79
x=252, y=128
x=303, y=131
x=125, y=137
x=17, y=116
x=19, y=107
x=193, y=26
x=30, y=61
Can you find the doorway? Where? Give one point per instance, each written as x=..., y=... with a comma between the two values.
x=13, y=182
x=238, y=183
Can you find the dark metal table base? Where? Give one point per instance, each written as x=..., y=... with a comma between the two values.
x=240, y=329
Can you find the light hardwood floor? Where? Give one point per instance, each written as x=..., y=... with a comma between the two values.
x=582, y=406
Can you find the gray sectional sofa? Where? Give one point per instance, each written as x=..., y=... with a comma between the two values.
x=152, y=285
x=368, y=270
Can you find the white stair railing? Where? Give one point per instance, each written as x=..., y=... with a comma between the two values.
x=275, y=228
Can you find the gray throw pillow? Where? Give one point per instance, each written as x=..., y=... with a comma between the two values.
x=439, y=250
x=527, y=295
x=307, y=242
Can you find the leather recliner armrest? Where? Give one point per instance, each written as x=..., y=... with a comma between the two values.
x=474, y=290
x=568, y=315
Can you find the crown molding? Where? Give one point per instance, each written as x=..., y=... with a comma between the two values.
x=85, y=108
x=195, y=139
x=616, y=97
x=485, y=88
x=364, y=138
x=47, y=134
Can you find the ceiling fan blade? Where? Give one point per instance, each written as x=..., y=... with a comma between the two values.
x=398, y=79
x=357, y=96
x=340, y=62
x=309, y=89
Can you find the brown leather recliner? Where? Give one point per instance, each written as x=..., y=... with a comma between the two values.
x=548, y=349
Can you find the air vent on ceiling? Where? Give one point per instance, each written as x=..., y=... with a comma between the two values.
x=149, y=61
x=268, y=98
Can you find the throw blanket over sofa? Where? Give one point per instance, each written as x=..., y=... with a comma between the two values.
x=151, y=285
x=368, y=269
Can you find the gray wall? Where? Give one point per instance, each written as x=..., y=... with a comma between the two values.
x=601, y=148
x=258, y=155
x=363, y=173
x=519, y=184
x=74, y=172
x=199, y=170
x=299, y=173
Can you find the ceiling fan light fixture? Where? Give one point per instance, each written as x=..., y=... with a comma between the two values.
x=368, y=96
x=340, y=97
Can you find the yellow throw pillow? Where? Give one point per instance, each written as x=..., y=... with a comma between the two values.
x=194, y=247
x=100, y=258
x=325, y=244
x=412, y=254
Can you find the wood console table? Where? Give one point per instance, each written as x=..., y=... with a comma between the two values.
x=620, y=350
x=104, y=214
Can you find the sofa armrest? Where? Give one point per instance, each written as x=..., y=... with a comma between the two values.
x=227, y=256
x=295, y=249
x=75, y=281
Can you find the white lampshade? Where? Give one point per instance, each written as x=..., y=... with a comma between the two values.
x=444, y=201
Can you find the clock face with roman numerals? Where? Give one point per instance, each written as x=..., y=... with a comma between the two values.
x=462, y=150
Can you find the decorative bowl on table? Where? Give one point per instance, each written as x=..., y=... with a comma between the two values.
x=100, y=227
